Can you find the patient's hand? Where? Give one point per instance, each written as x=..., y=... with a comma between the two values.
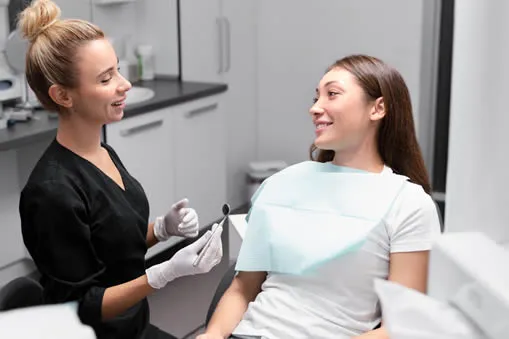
x=209, y=336
x=380, y=333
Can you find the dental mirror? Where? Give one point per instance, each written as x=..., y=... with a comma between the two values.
x=226, y=213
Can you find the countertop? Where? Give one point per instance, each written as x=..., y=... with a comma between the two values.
x=168, y=92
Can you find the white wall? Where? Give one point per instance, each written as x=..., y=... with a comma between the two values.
x=75, y=9
x=477, y=192
x=392, y=30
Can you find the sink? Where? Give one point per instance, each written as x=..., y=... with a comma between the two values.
x=138, y=94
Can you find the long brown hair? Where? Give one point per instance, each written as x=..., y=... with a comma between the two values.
x=397, y=141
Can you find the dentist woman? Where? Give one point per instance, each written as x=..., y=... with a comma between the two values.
x=84, y=217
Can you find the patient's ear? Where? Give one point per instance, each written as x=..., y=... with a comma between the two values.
x=378, y=111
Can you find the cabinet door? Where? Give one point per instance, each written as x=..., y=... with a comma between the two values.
x=240, y=103
x=200, y=168
x=143, y=143
x=202, y=40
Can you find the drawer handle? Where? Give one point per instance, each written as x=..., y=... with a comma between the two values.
x=201, y=110
x=141, y=128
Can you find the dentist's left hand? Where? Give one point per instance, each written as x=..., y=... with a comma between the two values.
x=179, y=221
x=182, y=263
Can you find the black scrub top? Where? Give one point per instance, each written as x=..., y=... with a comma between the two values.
x=85, y=234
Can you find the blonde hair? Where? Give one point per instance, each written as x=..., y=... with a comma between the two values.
x=52, y=55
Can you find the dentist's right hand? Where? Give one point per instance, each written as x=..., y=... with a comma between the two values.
x=181, y=264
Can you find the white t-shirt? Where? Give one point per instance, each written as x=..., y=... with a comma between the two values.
x=339, y=299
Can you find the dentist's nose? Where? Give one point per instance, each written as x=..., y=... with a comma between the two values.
x=125, y=85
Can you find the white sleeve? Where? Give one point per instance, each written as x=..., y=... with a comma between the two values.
x=415, y=223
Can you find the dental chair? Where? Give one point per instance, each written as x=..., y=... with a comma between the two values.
x=230, y=274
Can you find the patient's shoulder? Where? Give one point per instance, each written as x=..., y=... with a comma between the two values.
x=413, y=211
x=412, y=199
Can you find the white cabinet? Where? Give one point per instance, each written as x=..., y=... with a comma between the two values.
x=176, y=152
x=200, y=166
x=202, y=40
x=219, y=45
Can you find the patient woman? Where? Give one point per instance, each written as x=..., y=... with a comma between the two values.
x=363, y=123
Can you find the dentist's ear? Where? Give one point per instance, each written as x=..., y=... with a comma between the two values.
x=378, y=111
x=60, y=96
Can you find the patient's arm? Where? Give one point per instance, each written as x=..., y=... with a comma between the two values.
x=409, y=269
x=232, y=306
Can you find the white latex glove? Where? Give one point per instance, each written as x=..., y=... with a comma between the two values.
x=181, y=264
x=180, y=221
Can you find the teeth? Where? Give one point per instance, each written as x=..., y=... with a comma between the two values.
x=322, y=125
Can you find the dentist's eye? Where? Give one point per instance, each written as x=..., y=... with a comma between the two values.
x=331, y=93
x=315, y=100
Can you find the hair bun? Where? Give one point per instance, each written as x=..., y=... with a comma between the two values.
x=36, y=18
